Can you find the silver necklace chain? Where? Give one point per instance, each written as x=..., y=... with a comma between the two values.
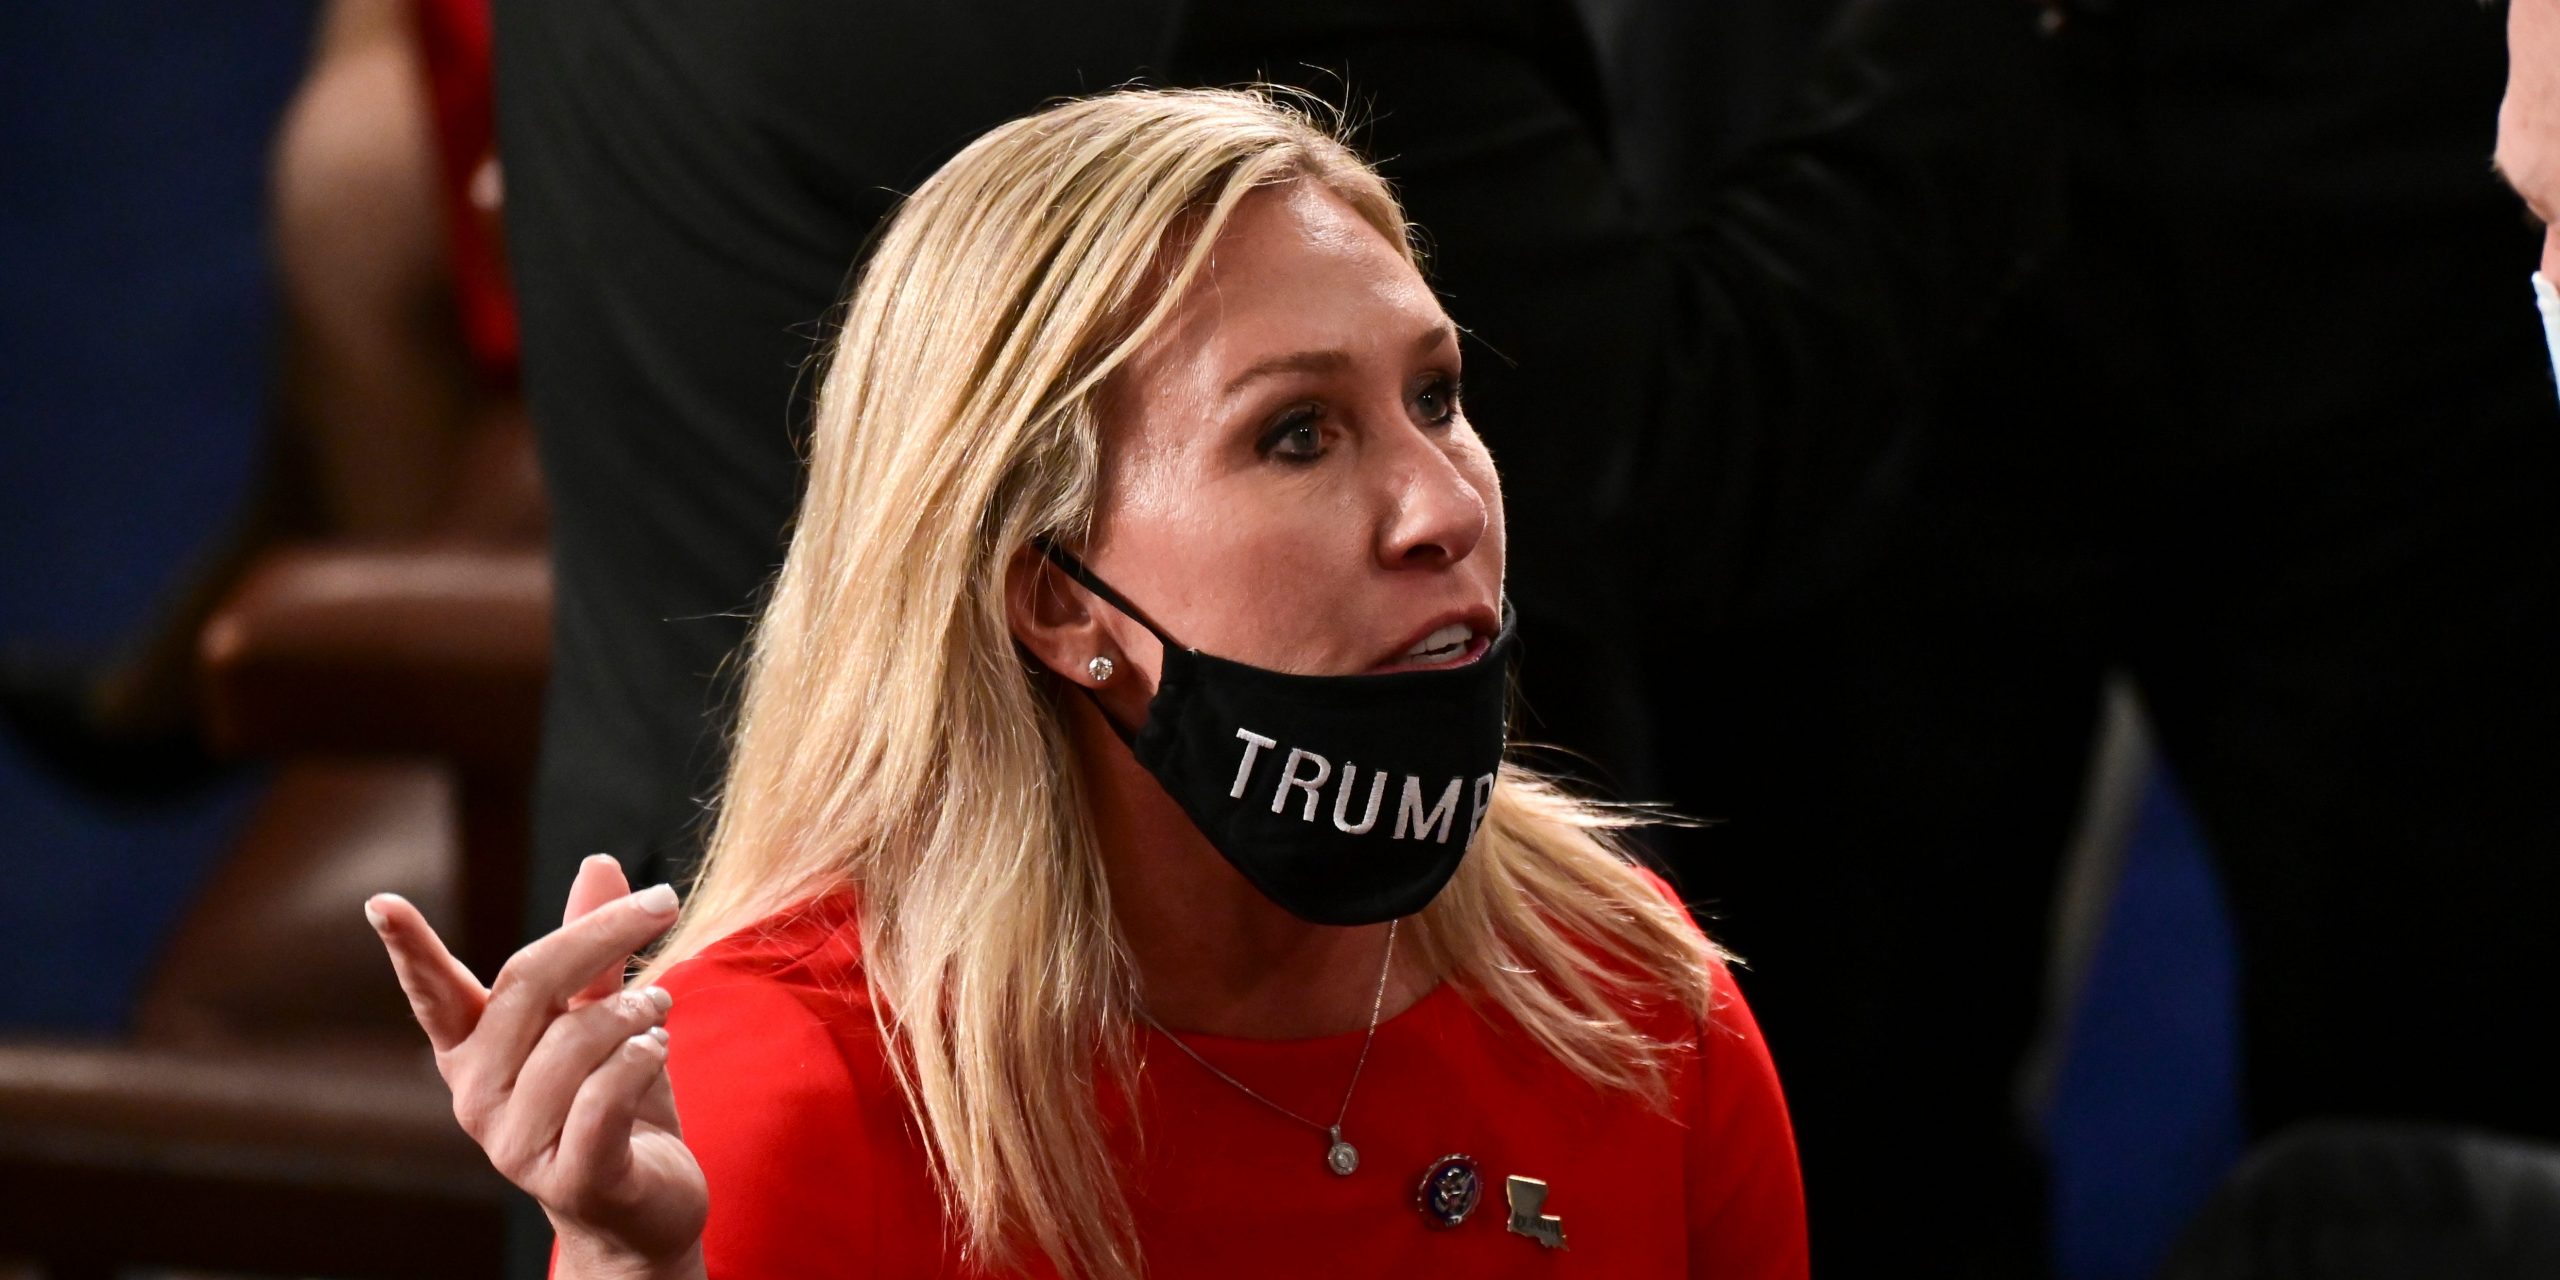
x=1340, y=1156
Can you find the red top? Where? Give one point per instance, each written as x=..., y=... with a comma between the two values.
x=816, y=1169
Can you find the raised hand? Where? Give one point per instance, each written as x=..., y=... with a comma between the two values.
x=560, y=1075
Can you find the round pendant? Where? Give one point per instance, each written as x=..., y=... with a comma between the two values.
x=1342, y=1157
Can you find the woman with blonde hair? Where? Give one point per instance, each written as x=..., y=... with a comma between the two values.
x=1118, y=871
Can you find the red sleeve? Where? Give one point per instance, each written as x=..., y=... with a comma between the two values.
x=1746, y=1206
x=1746, y=1192
x=782, y=1107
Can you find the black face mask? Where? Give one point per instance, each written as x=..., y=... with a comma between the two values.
x=1345, y=799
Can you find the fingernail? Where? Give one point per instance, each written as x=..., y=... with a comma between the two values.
x=657, y=899
x=373, y=914
x=659, y=1034
x=658, y=998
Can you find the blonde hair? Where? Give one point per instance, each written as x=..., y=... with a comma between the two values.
x=894, y=742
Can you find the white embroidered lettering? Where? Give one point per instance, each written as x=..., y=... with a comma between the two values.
x=1342, y=800
x=1253, y=745
x=1484, y=801
x=1410, y=817
x=1289, y=778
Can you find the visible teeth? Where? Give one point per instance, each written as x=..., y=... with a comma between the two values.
x=1452, y=639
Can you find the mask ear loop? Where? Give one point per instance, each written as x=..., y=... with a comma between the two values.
x=1086, y=578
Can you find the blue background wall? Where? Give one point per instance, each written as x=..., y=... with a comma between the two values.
x=135, y=350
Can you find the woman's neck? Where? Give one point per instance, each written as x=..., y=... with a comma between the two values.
x=1214, y=955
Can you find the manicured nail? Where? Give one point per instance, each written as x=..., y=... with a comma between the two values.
x=658, y=998
x=659, y=1034
x=373, y=914
x=657, y=899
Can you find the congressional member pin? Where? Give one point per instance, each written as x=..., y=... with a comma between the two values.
x=1449, y=1191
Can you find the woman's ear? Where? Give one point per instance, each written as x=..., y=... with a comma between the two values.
x=1054, y=620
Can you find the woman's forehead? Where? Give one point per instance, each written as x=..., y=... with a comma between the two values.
x=1296, y=271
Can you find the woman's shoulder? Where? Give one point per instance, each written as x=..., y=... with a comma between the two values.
x=787, y=1097
x=810, y=952
x=779, y=999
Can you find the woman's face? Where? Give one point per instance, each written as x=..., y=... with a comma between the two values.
x=1288, y=479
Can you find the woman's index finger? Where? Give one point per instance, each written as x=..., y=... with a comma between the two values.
x=443, y=995
x=543, y=981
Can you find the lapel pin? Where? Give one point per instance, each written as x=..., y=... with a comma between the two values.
x=1448, y=1192
x=1527, y=1197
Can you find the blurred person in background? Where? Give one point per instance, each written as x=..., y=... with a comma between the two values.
x=2271, y=438
x=387, y=192
x=398, y=372
x=2368, y=1201
x=275, y=201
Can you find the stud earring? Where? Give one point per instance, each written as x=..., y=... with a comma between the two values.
x=1100, y=669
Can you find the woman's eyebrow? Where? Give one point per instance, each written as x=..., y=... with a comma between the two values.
x=1329, y=360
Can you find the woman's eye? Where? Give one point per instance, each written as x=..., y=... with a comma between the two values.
x=1438, y=401
x=1297, y=437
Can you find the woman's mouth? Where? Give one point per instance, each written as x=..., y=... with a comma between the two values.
x=1452, y=645
x=1443, y=646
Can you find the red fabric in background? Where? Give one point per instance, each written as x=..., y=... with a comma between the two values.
x=817, y=1170
x=455, y=43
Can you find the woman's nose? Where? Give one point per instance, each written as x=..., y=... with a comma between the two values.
x=1436, y=514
